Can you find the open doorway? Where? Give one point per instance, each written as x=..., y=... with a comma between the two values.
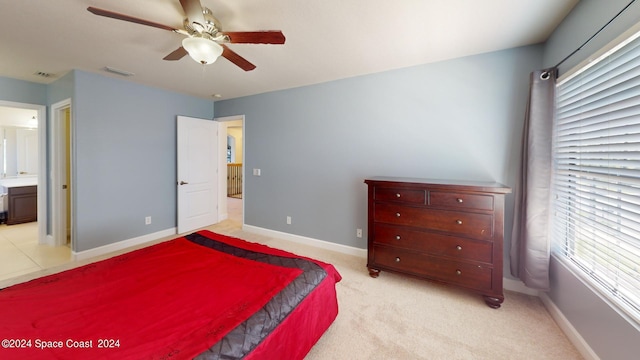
x=232, y=164
x=23, y=155
x=25, y=243
x=61, y=165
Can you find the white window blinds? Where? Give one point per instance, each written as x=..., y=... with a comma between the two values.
x=596, y=218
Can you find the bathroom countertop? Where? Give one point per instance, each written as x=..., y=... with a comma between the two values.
x=19, y=181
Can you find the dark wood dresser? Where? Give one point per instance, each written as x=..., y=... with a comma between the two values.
x=445, y=231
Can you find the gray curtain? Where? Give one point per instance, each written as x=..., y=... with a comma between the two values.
x=530, y=237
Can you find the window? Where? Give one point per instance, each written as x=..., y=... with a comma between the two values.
x=231, y=149
x=596, y=202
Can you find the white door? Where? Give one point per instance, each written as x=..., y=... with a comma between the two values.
x=197, y=173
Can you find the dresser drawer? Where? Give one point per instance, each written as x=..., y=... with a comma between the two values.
x=407, y=196
x=461, y=200
x=459, y=273
x=474, y=225
x=434, y=244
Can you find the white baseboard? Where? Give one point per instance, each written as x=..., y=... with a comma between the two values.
x=49, y=240
x=574, y=336
x=121, y=245
x=350, y=250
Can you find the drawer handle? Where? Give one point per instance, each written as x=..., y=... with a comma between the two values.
x=459, y=222
x=397, y=259
x=397, y=195
x=397, y=237
x=458, y=272
x=459, y=200
x=458, y=247
x=397, y=214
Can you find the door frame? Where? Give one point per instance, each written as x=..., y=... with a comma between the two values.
x=222, y=159
x=58, y=159
x=42, y=163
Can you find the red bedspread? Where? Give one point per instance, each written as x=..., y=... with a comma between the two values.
x=144, y=304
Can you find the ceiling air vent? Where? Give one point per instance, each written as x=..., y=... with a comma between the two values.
x=118, y=71
x=44, y=74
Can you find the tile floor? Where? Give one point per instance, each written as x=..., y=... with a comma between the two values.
x=20, y=253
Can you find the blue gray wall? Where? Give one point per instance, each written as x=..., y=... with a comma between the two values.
x=315, y=145
x=125, y=157
x=22, y=91
x=608, y=333
x=124, y=148
x=61, y=89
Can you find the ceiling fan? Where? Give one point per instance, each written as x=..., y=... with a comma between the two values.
x=205, y=40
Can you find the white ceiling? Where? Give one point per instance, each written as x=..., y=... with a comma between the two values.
x=325, y=39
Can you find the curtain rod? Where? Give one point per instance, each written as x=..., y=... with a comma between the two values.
x=596, y=34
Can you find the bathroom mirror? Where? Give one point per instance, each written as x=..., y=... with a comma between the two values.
x=19, y=134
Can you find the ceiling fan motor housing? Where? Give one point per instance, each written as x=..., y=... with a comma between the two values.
x=211, y=28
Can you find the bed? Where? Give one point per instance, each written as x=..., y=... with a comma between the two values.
x=203, y=296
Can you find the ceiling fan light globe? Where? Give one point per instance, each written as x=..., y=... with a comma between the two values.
x=202, y=50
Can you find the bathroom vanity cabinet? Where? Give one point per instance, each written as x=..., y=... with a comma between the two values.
x=22, y=204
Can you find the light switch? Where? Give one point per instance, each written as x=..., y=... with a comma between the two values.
x=256, y=172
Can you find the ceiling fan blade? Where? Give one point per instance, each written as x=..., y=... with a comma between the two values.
x=256, y=37
x=118, y=16
x=193, y=10
x=177, y=54
x=232, y=56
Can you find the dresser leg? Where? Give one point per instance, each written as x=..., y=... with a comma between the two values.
x=493, y=302
x=374, y=272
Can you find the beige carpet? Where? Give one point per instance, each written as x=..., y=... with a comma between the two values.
x=398, y=317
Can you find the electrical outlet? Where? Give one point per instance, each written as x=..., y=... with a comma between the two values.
x=147, y=220
x=359, y=233
x=288, y=220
